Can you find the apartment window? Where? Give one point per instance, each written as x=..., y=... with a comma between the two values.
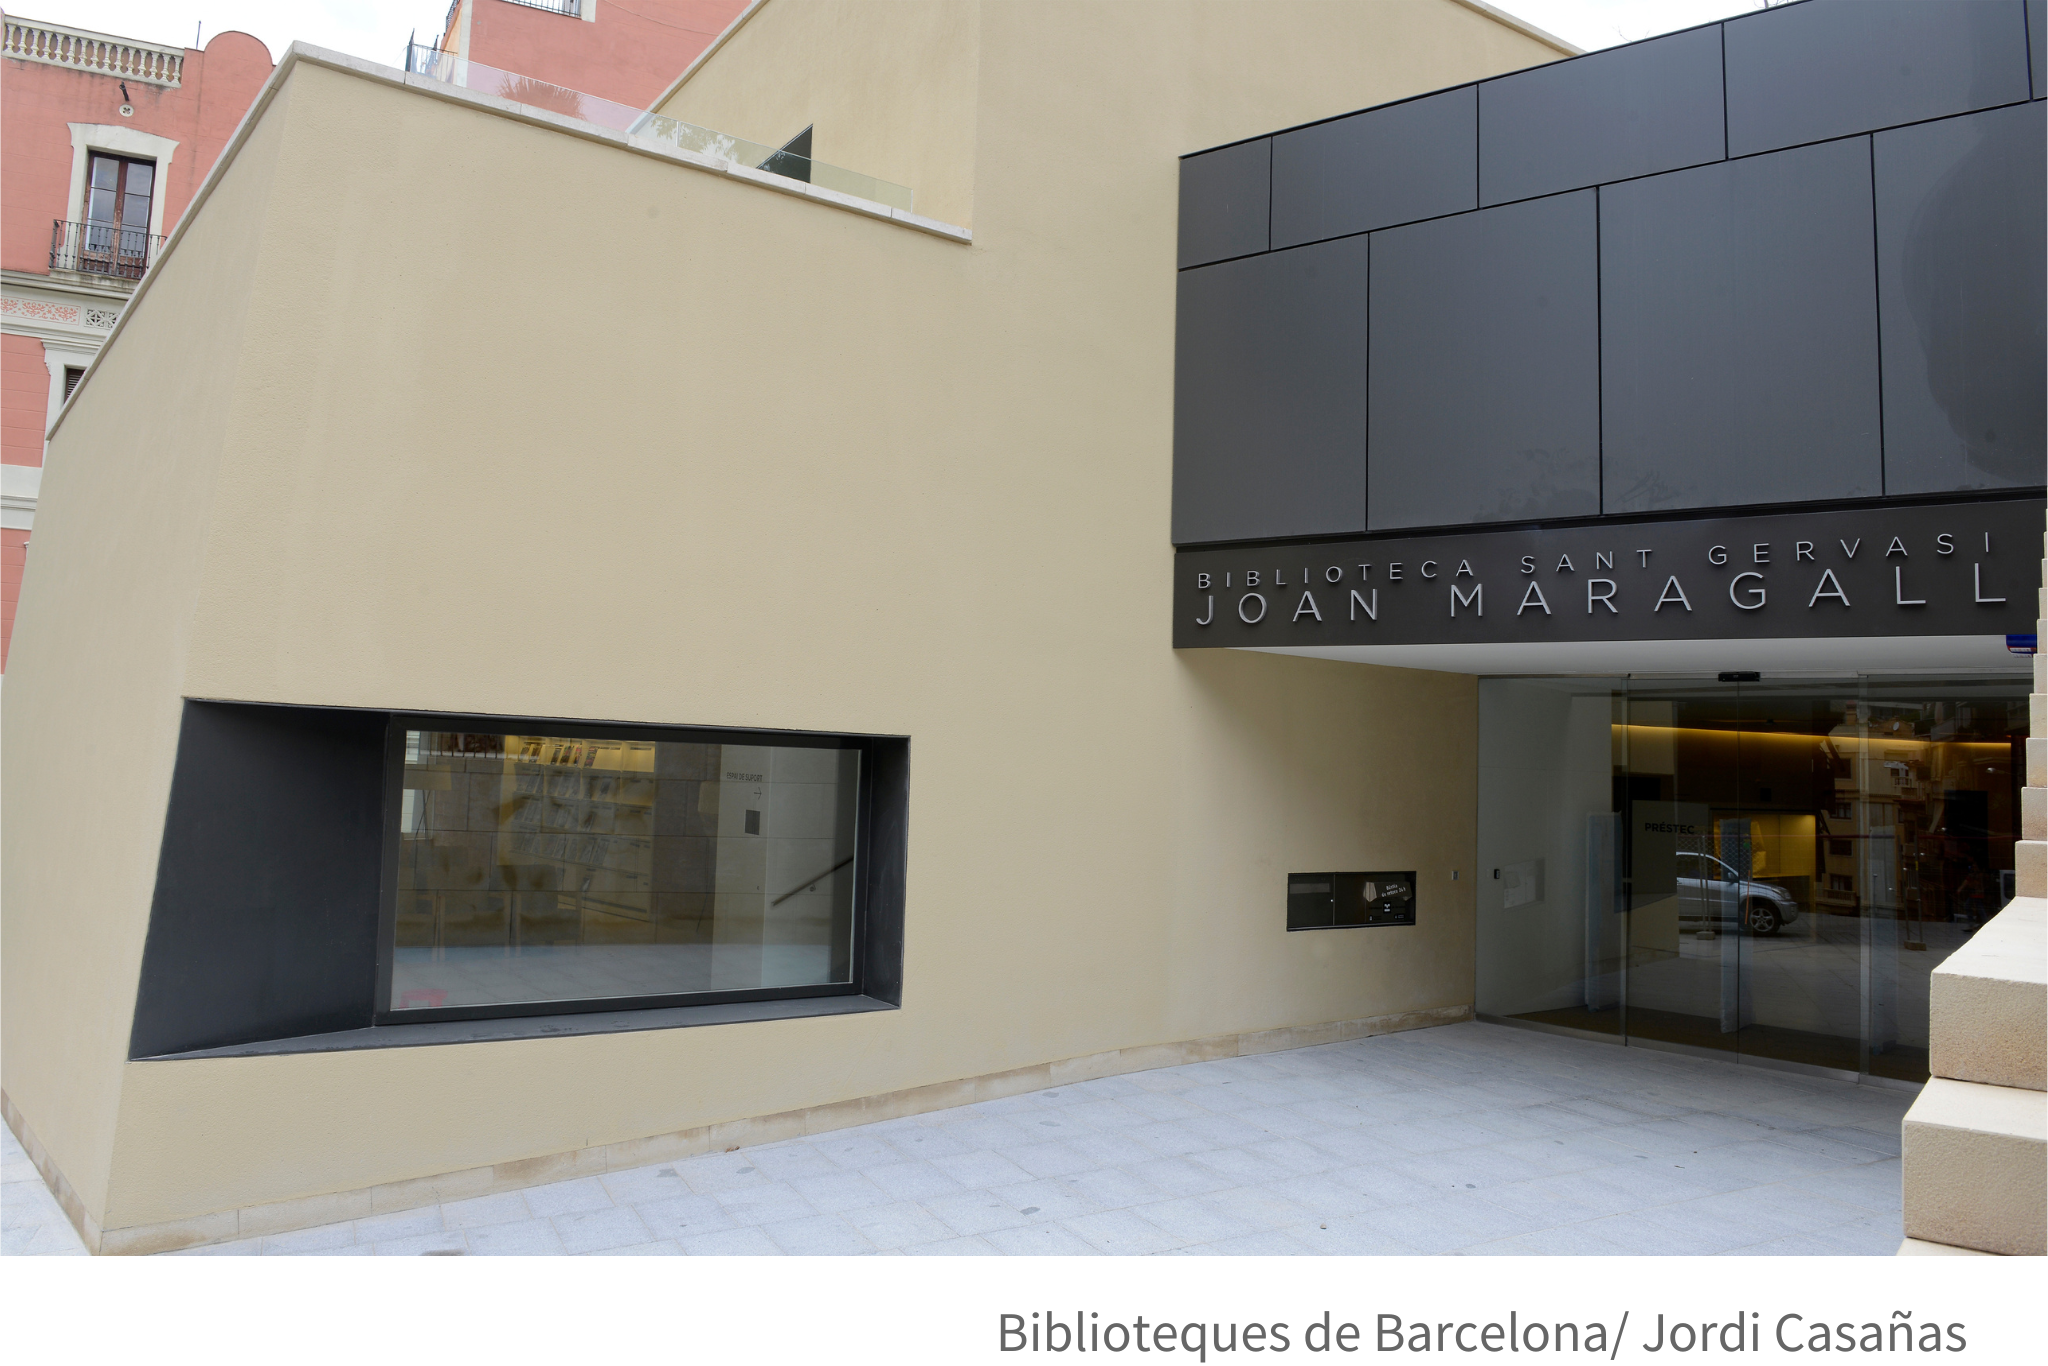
x=117, y=202
x=590, y=868
x=72, y=374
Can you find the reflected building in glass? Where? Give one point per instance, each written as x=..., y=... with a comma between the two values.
x=1766, y=870
x=539, y=869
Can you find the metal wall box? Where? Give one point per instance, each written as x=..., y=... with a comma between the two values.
x=1344, y=901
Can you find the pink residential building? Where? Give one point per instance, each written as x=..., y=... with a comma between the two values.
x=103, y=141
x=626, y=53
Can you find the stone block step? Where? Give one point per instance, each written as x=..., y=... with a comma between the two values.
x=1988, y=1002
x=1975, y=1167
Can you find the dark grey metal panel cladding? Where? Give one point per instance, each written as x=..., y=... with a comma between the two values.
x=1269, y=395
x=1632, y=111
x=1225, y=202
x=1960, y=226
x=1833, y=67
x=888, y=855
x=1407, y=161
x=1739, y=333
x=2037, y=45
x=264, y=923
x=1485, y=367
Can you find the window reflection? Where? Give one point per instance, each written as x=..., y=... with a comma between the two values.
x=538, y=868
x=1771, y=871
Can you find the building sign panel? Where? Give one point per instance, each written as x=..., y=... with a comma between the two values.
x=1942, y=569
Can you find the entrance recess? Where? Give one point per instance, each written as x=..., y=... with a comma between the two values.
x=1762, y=870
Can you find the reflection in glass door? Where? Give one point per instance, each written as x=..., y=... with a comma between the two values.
x=1774, y=871
x=1679, y=784
x=1930, y=804
x=1760, y=969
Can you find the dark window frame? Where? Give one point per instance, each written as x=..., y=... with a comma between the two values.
x=865, y=867
x=115, y=237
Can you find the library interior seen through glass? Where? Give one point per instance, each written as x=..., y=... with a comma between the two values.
x=543, y=870
x=1763, y=870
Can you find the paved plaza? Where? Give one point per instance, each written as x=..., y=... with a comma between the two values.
x=1470, y=1138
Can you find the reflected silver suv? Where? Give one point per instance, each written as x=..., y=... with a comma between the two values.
x=1709, y=889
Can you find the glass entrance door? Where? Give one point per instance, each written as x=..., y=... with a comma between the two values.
x=1680, y=757
x=1775, y=871
x=1930, y=803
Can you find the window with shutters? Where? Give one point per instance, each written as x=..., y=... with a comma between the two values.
x=117, y=199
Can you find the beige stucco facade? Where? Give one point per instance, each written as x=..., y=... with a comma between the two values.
x=439, y=405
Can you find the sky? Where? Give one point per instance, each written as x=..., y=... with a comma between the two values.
x=377, y=29
x=1592, y=24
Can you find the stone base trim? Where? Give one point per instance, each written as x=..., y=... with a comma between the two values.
x=1916, y=1247
x=53, y=1176
x=314, y=1210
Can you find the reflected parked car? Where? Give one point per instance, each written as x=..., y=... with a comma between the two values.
x=1709, y=889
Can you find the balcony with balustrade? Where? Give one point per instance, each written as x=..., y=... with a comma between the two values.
x=102, y=54
x=102, y=249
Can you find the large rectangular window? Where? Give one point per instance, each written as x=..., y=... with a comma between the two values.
x=334, y=878
x=599, y=868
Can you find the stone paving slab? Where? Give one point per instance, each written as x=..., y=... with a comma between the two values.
x=1468, y=1139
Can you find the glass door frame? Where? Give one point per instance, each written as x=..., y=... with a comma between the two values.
x=1624, y=688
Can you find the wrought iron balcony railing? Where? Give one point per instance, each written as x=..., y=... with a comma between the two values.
x=102, y=249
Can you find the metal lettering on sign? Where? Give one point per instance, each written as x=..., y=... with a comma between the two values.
x=1943, y=569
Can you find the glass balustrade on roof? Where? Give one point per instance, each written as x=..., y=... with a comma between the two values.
x=446, y=66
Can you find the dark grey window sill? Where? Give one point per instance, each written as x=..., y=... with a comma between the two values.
x=441, y=1032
